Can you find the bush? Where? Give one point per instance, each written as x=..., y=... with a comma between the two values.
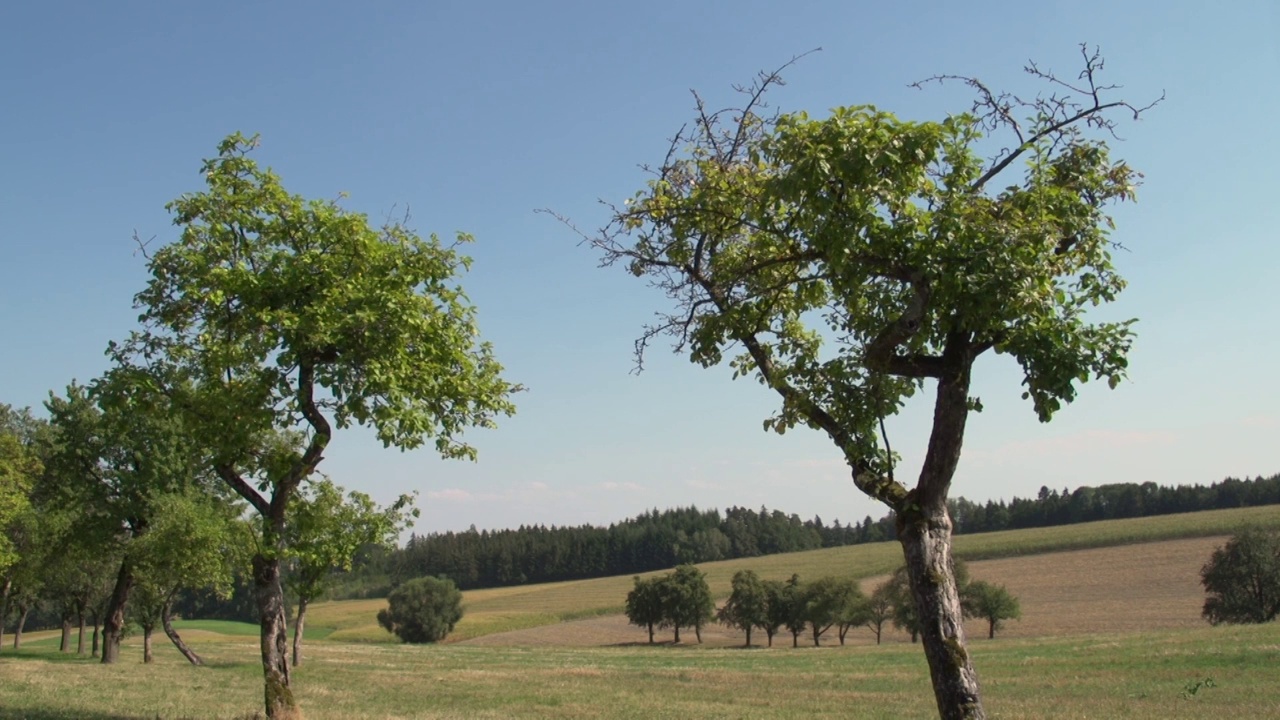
x=1243, y=579
x=423, y=610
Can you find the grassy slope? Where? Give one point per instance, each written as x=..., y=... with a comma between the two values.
x=512, y=608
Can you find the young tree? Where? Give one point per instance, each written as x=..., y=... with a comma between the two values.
x=793, y=608
x=687, y=600
x=851, y=261
x=747, y=604
x=645, y=604
x=424, y=610
x=325, y=532
x=1242, y=579
x=272, y=314
x=777, y=608
x=992, y=603
x=196, y=542
x=878, y=609
x=826, y=601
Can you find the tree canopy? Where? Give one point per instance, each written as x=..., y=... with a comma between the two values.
x=1242, y=579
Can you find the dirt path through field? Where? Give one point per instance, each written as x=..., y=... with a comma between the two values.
x=1132, y=588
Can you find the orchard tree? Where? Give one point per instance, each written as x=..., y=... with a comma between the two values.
x=644, y=604
x=747, y=604
x=424, y=610
x=793, y=610
x=878, y=609
x=1242, y=579
x=850, y=262
x=325, y=532
x=272, y=314
x=196, y=542
x=991, y=602
x=687, y=600
x=777, y=608
x=826, y=601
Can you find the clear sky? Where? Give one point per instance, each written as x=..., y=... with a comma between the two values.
x=474, y=114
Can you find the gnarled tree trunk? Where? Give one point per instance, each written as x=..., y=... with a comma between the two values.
x=166, y=621
x=269, y=594
x=114, y=620
x=924, y=530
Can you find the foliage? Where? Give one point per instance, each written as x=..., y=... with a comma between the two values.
x=644, y=605
x=424, y=610
x=828, y=601
x=1242, y=578
x=20, y=467
x=878, y=609
x=747, y=605
x=991, y=602
x=686, y=600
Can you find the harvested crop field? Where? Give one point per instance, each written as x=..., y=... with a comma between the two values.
x=1130, y=588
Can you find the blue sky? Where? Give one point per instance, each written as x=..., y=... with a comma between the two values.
x=472, y=115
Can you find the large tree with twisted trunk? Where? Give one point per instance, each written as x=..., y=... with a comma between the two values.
x=273, y=317
x=851, y=261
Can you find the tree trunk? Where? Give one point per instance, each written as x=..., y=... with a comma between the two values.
x=97, y=624
x=770, y=636
x=991, y=630
x=269, y=594
x=816, y=634
x=924, y=530
x=650, y=633
x=795, y=639
x=4, y=606
x=22, y=622
x=146, y=644
x=64, y=644
x=166, y=621
x=80, y=638
x=748, y=636
x=114, y=620
x=677, y=633
x=297, y=631
x=697, y=631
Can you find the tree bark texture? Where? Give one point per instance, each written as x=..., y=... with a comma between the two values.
x=64, y=643
x=166, y=621
x=924, y=530
x=146, y=645
x=298, y=625
x=22, y=623
x=269, y=594
x=80, y=638
x=114, y=621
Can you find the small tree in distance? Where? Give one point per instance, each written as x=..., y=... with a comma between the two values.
x=424, y=610
x=747, y=604
x=644, y=604
x=992, y=603
x=1242, y=579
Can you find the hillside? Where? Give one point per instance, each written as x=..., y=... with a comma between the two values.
x=1026, y=568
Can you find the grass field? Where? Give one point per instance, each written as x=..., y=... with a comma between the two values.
x=1131, y=675
x=1110, y=629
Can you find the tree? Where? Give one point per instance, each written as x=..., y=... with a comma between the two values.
x=826, y=601
x=851, y=261
x=793, y=608
x=195, y=543
x=686, y=600
x=272, y=314
x=324, y=535
x=424, y=610
x=992, y=603
x=747, y=604
x=905, y=616
x=878, y=609
x=645, y=604
x=777, y=608
x=1242, y=579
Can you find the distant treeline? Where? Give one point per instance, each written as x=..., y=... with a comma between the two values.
x=658, y=540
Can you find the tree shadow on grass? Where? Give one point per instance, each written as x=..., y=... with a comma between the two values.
x=64, y=714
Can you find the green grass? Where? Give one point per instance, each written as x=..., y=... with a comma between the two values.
x=513, y=608
x=1134, y=676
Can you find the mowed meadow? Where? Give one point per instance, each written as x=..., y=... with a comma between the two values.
x=1110, y=628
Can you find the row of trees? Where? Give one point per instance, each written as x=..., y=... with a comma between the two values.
x=112, y=520
x=683, y=599
x=268, y=322
x=665, y=538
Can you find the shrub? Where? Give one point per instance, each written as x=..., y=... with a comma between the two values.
x=424, y=610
